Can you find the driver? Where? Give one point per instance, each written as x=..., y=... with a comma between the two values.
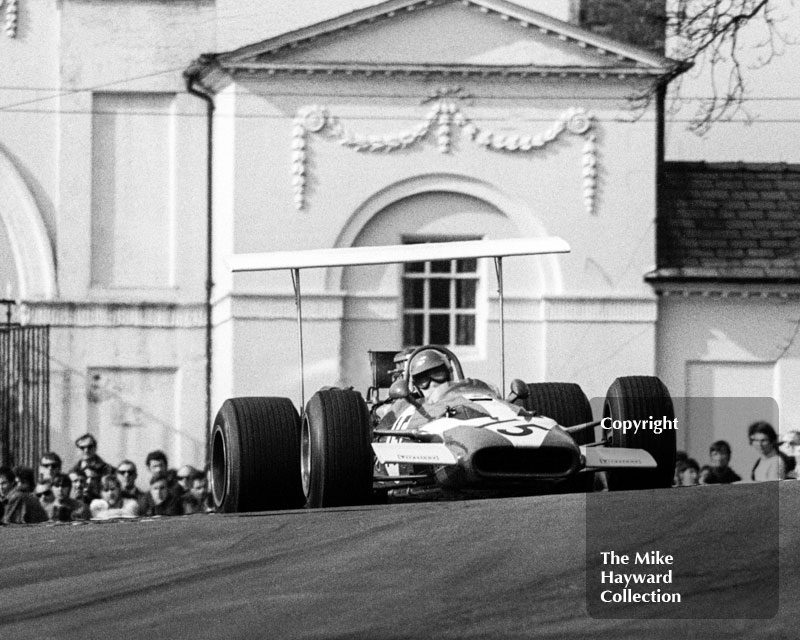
x=429, y=370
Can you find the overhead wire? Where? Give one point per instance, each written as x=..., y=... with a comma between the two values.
x=374, y=116
x=61, y=93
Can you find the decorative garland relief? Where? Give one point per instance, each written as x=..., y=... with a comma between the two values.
x=440, y=119
x=11, y=17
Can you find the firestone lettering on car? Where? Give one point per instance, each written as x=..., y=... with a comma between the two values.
x=631, y=461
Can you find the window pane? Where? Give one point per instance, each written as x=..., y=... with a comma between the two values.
x=413, y=330
x=440, y=293
x=469, y=265
x=439, y=328
x=439, y=301
x=465, y=330
x=413, y=290
x=465, y=294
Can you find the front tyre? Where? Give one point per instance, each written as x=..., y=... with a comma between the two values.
x=336, y=452
x=564, y=402
x=567, y=404
x=642, y=398
x=255, y=461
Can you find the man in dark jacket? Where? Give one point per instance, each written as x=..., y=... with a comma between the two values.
x=6, y=487
x=160, y=501
x=721, y=473
x=89, y=458
x=23, y=507
x=127, y=474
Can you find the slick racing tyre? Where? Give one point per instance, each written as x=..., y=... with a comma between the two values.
x=567, y=404
x=564, y=402
x=336, y=452
x=255, y=456
x=641, y=398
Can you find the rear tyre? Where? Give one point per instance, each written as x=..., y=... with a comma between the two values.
x=640, y=398
x=255, y=456
x=336, y=452
x=567, y=404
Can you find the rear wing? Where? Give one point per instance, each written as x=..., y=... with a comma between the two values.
x=395, y=254
x=398, y=253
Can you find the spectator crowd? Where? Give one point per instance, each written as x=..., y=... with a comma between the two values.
x=93, y=489
x=777, y=459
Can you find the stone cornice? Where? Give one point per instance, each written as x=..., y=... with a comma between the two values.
x=502, y=9
x=445, y=70
x=382, y=307
x=719, y=290
x=145, y=315
x=613, y=59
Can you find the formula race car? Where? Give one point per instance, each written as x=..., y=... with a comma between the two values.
x=436, y=433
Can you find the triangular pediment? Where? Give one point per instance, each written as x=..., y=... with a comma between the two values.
x=441, y=35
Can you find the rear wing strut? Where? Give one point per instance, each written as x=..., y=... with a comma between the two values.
x=396, y=254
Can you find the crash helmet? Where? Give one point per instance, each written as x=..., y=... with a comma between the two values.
x=399, y=361
x=426, y=360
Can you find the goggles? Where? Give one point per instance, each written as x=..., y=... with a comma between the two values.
x=423, y=381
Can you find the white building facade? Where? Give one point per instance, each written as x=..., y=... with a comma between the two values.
x=333, y=126
x=103, y=217
x=368, y=130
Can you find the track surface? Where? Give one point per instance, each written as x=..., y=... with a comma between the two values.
x=512, y=568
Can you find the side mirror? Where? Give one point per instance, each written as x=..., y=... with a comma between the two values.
x=399, y=389
x=519, y=390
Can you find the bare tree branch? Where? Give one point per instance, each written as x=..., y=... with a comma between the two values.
x=708, y=34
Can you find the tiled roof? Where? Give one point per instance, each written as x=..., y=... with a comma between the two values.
x=733, y=222
x=637, y=22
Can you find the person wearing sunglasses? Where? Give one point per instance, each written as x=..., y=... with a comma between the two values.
x=44, y=491
x=49, y=466
x=87, y=444
x=429, y=370
x=127, y=474
x=23, y=506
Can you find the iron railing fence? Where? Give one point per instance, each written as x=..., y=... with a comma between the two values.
x=24, y=394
